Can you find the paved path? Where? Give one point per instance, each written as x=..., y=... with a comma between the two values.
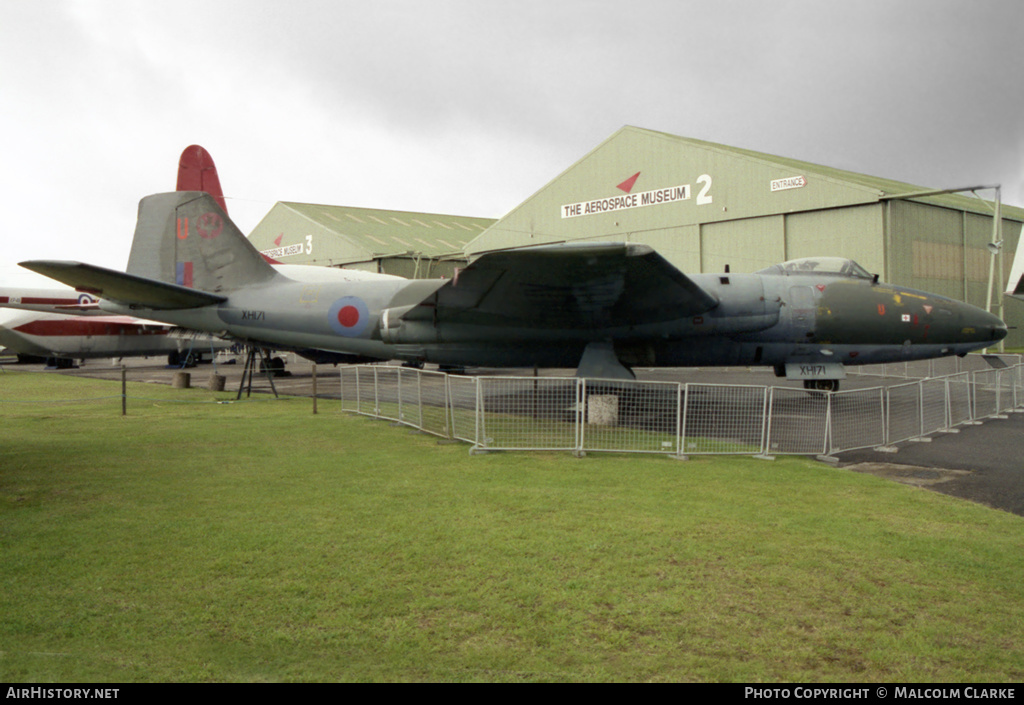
x=981, y=463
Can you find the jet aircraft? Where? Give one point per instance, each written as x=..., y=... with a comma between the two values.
x=59, y=337
x=599, y=307
x=62, y=338
x=62, y=325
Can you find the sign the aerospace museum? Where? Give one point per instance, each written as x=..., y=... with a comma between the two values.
x=627, y=201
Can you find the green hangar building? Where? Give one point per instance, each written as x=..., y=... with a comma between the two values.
x=411, y=245
x=703, y=206
x=707, y=206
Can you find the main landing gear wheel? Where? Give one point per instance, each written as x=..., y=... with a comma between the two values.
x=822, y=385
x=177, y=358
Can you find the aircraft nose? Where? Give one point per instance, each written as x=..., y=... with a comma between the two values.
x=988, y=327
x=999, y=331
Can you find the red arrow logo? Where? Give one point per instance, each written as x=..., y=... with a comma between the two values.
x=627, y=185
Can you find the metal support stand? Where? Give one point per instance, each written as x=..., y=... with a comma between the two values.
x=250, y=368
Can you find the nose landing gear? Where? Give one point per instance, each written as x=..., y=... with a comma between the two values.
x=822, y=385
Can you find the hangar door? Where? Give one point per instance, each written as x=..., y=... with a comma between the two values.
x=855, y=233
x=745, y=245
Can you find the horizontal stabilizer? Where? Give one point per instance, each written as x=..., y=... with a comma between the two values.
x=127, y=289
x=78, y=308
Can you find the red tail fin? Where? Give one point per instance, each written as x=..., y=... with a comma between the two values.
x=196, y=172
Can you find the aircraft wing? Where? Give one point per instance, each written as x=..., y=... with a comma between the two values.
x=566, y=287
x=123, y=288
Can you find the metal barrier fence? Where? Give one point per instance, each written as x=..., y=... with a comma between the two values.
x=938, y=367
x=677, y=419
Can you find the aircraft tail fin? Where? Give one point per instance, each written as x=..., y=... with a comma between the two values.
x=185, y=238
x=1015, y=284
x=197, y=172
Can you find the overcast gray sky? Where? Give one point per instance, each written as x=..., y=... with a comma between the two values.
x=469, y=107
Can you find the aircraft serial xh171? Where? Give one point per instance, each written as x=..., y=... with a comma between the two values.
x=598, y=307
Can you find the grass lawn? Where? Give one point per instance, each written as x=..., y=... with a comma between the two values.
x=254, y=541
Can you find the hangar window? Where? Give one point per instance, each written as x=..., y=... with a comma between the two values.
x=830, y=266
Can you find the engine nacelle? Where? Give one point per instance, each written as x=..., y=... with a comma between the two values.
x=395, y=330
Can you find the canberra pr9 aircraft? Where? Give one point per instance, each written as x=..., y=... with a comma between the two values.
x=599, y=307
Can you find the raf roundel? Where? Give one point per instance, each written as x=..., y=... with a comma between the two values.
x=348, y=316
x=209, y=225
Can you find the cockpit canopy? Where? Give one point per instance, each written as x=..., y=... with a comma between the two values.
x=827, y=266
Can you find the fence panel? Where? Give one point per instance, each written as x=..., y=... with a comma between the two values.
x=462, y=407
x=934, y=407
x=424, y=401
x=1004, y=387
x=958, y=390
x=359, y=389
x=903, y=411
x=724, y=419
x=410, y=406
x=528, y=413
x=985, y=384
x=387, y=400
x=944, y=366
x=857, y=419
x=635, y=417
x=665, y=417
x=895, y=369
x=798, y=423
x=348, y=378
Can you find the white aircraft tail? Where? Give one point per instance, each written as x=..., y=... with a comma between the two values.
x=185, y=238
x=1015, y=284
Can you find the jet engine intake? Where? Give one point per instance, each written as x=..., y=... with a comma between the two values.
x=395, y=330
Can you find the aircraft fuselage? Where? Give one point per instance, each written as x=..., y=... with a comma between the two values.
x=760, y=319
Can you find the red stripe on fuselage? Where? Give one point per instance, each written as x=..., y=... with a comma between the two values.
x=86, y=326
x=39, y=300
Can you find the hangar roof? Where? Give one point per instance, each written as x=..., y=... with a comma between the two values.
x=606, y=194
x=885, y=187
x=306, y=233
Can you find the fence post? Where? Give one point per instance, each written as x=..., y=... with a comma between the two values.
x=973, y=386
x=679, y=420
x=767, y=407
x=419, y=395
x=581, y=401
x=920, y=405
x=827, y=446
x=886, y=415
x=479, y=415
x=449, y=409
x=949, y=404
x=682, y=418
x=999, y=392
x=124, y=391
x=376, y=392
x=360, y=369
x=314, y=388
